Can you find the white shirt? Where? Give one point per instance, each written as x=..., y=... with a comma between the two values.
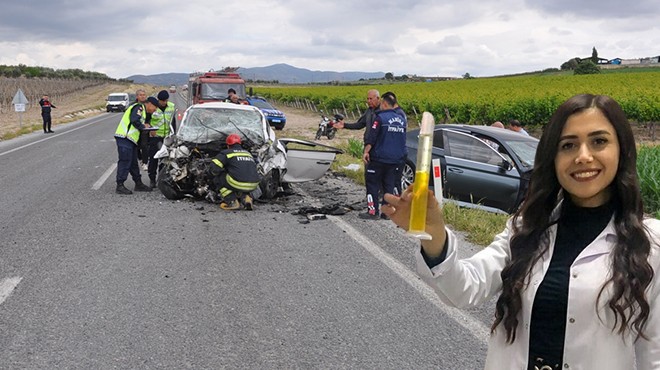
x=590, y=342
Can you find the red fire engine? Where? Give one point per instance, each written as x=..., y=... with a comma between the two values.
x=213, y=86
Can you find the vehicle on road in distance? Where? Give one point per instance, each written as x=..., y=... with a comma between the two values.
x=481, y=166
x=213, y=86
x=275, y=117
x=173, y=89
x=185, y=158
x=117, y=102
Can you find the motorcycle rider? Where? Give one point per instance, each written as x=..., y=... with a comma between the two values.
x=235, y=175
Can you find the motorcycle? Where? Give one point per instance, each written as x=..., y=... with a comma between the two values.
x=327, y=126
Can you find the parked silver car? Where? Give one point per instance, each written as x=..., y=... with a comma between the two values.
x=481, y=166
x=185, y=158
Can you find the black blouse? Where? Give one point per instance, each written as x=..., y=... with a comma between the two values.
x=577, y=227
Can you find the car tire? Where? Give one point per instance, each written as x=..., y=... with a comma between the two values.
x=407, y=174
x=269, y=184
x=166, y=187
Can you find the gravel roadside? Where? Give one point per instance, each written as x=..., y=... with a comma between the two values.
x=86, y=103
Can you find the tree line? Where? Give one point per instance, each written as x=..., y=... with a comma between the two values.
x=23, y=70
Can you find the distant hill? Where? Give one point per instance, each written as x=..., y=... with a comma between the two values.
x=282, y=73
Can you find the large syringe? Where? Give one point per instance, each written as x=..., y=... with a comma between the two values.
x=417, y=226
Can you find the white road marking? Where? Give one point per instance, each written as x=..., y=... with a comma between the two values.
x=7, y=286
x=479, y=330
x=474, y=326
x=47, y=138
x=97, y=185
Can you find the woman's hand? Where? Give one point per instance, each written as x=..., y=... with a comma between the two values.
x=398, y=210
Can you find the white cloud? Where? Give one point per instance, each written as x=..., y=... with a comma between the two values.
x=423, y=37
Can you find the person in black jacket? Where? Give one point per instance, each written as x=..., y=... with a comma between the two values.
x=235, y=175
x=46, y=105
x=367, y=118
x=384, y=154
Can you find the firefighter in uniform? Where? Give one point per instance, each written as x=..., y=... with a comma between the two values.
x=235, y=175
x=164, y=119
x=127, y=135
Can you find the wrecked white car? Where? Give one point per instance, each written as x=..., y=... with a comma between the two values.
x=185, y=158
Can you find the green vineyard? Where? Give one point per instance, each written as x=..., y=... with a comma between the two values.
x=530, y=99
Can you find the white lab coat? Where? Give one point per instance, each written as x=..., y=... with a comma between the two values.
x=590, y=342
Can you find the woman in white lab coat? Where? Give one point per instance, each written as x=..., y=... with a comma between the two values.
x=575, y=269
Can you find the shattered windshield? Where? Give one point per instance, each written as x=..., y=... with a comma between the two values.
x=204, y=125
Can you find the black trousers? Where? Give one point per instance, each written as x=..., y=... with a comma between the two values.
x=47, y=121
x=381, y=177
x=142, y=147
x=153, y=146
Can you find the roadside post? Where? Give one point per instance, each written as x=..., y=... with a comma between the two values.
x=19, y=105
x=437, y=180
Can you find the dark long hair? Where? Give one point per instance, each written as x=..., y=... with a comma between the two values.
x=631, y=272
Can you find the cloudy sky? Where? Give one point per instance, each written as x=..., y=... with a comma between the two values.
x=423, y=37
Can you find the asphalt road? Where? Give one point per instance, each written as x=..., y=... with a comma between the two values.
x=93, y=280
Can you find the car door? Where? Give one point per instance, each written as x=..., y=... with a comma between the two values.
x=307, y=160
x=476, y=173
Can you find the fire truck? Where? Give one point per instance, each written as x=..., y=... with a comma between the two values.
x=213, y=86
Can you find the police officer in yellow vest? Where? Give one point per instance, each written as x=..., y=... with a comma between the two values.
x=164, y=119
x=127, y=135
x=235, y=175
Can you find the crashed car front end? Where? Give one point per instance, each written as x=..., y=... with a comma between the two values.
x=185, y=159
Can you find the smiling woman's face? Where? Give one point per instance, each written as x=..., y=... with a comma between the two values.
x=587, y=158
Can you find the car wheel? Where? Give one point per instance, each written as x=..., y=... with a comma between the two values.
x=269, y=185
x=407, y=175
x=331, y=134
x=165, y=185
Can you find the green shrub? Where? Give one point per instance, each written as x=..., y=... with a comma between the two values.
x=648, y=170
x=355, y=148
x=587, y=68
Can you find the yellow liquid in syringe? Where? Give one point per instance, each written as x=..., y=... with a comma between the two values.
x=419, y=203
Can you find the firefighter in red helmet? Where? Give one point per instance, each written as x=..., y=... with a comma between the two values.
x=235, y=175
